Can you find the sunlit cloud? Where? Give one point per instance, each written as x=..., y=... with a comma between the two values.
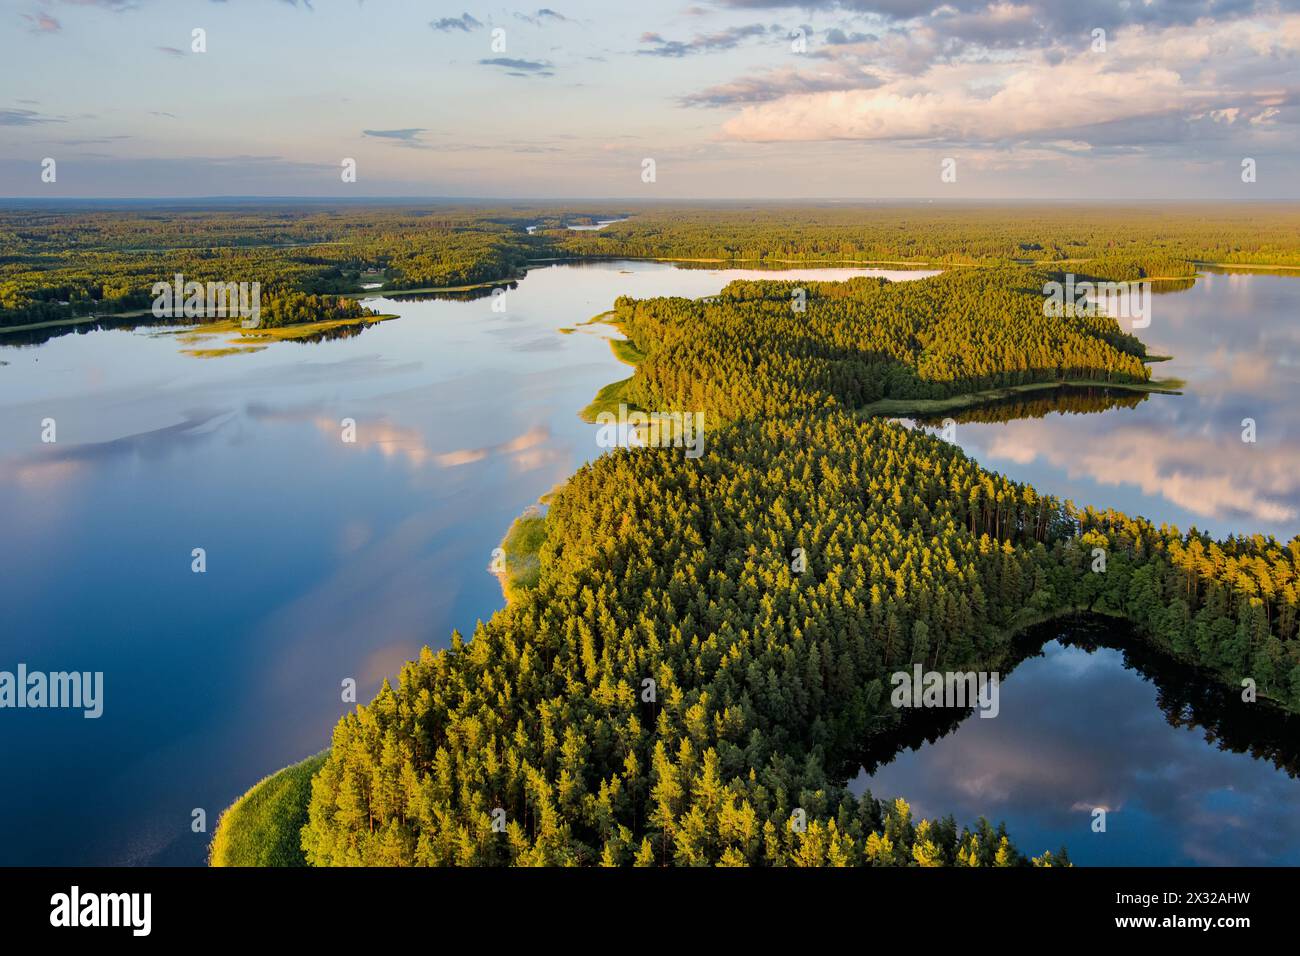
x=42, y=23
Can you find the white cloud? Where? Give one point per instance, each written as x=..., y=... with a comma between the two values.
x=1033, y=100
x=1145, y=73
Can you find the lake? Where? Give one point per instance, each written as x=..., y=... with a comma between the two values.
x=328, y=560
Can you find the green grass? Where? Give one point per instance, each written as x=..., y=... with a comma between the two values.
x=521, y=544
x=614, y=394
x=607, y=400
x=625, y=351
x=306, y=329
x=246, y=340
x=217, y=353
x=263, y=827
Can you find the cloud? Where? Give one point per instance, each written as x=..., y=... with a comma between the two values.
x=409, y=137
x=837, y=37
x=727, y=39
x=42, y=23
x=521, y=447
x=1196, y=472
x=147, y=446
x=1052, y=18
x=542, y=16
x=521, y=67
x=464, y=23
x=92, y=141
x=116, y=6
x=24, y=118
x=1029, y=103
x=1151, y=85
x=774, y=85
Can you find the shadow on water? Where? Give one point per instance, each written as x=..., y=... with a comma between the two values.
x=1065, y=400
x=1188, y=698
x=29, y=337
x=782, y=265
x=448, y=295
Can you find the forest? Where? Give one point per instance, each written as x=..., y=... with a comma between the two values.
x=667, y=688
x=1115, y=241
x=768, y=683
x=59, y=262
x=776, y=348
x=674, y=689
x=59, y=265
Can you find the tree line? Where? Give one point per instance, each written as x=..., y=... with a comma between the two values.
x=63, y=263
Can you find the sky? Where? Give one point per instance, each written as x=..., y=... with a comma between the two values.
x=848, y=99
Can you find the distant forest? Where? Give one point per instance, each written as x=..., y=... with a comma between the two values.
x=1117, y=242
x=62, y=262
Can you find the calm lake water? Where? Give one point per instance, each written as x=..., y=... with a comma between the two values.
x=328, y=560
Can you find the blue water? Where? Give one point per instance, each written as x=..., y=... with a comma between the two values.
x=325, y=560
x=328, y=560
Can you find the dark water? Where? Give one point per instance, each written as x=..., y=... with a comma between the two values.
x=328, y=560
x=1187, y=773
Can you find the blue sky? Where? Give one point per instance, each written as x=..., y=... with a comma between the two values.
x=722, y=95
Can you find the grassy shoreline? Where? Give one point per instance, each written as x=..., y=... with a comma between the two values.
x=263, y=827
x=521, y=544
x=255, y=340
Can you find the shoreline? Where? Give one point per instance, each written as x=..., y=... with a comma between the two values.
x=382, y=293
x=808, y=263
x=527, y=532
x=905, y=407
x=217, y=328
x=75, y=320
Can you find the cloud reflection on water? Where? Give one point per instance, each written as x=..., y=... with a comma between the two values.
x=1180, y=458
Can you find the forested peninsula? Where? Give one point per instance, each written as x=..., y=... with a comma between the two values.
x=535, y=743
